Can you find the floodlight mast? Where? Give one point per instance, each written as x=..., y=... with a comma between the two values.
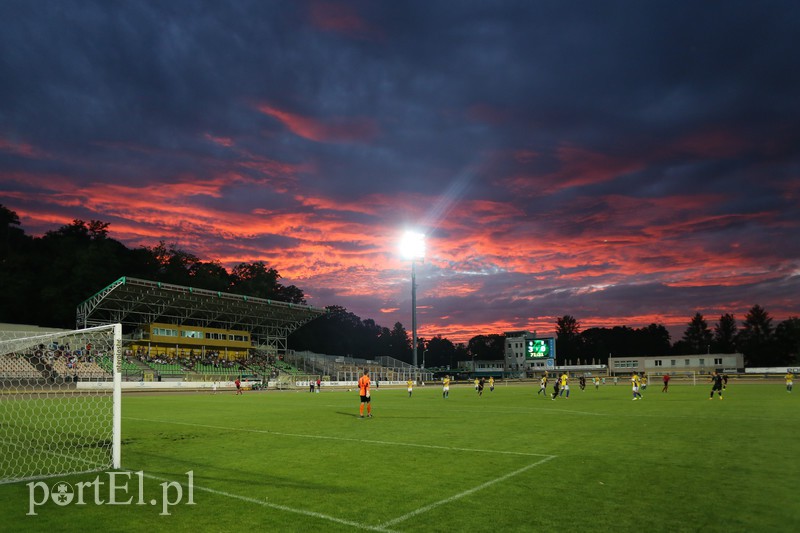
x=413, y=248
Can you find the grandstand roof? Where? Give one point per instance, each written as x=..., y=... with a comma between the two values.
x=135, y=302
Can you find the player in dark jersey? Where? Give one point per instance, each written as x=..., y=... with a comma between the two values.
x=556, y=383
x=716, y=385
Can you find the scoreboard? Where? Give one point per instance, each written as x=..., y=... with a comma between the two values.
x=540, y=348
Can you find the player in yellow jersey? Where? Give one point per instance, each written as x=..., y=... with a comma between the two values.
x=543, y=386
x=564, y=385
x=410, y=384
x=446, y=387
x=477, y=382
x=644, y=380
x=363, y=391
x=491, y=383
x=789, y=380
x=635, y=382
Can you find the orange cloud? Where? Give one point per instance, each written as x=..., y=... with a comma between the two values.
x=577, y=167
x=336, y=130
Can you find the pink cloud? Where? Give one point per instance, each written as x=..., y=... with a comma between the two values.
x=332, y=130
x=711, y=144
x=577, y=167
x=227, y=142
x=21, y=148
x=343, y=19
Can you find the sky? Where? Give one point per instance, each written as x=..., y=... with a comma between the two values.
x=623, y=162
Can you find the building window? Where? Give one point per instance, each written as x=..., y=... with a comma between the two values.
x=658, y=362
x=673, y=362
x=702, y=362
x=686, y=362
x=718, y=361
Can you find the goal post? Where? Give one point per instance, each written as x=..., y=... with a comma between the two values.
x=60, y=402
x=679, y=376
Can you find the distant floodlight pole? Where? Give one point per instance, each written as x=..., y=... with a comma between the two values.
x=413, y=248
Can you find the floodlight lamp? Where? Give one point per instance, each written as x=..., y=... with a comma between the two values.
x=412, y=246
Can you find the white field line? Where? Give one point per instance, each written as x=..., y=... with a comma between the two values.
x=386, y=525
x=455, y=497
x=345, y=439
x=96, y=467
x=278, y=507
x=510, y=410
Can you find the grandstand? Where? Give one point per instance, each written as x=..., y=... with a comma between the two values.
x=194, y=320
x=80, y=371
x=130, y=370
x=16, y=367
x=172, y=332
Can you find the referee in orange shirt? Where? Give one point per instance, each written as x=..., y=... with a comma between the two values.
x=363, y=390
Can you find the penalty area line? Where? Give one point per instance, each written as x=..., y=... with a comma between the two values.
x=460, y=495
x=278, y=507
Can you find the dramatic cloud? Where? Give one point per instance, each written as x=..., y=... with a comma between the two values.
x=625, y=163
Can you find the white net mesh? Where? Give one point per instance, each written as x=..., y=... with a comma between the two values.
x=57, y=402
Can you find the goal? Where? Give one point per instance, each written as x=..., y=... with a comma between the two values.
x=60, y=402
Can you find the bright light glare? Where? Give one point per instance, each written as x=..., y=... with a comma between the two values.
x=412, y=246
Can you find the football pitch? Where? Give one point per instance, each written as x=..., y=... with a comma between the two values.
x=511, y=460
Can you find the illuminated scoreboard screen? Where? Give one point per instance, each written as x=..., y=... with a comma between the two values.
x=540, y=348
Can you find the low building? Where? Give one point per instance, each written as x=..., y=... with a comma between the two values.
x=670, y=364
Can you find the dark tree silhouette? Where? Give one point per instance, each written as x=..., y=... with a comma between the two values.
x=725, y=333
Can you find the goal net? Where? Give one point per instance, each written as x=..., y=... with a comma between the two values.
x=60, y=397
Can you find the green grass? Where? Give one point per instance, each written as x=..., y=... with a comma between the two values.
x=510, y=461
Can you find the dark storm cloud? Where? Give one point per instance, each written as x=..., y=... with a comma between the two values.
x=585, y=156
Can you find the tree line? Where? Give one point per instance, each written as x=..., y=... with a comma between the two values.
x=761, y=343
x=45, y=278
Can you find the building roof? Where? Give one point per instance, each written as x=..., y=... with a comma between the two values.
x=136, y=302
